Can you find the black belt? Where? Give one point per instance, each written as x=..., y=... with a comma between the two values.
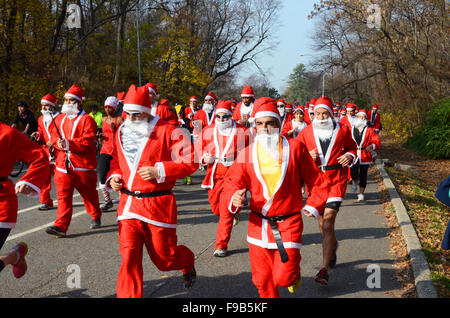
x=332, y=167
x=141, y=195
x=227, y=160
x=276, y=232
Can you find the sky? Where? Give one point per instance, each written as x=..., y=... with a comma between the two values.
x=294, y=39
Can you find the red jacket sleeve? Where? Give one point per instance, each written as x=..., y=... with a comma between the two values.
x=316, y=181
x=183, y=157
x=25, y=150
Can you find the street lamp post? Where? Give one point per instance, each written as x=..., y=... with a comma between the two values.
x=138, y=43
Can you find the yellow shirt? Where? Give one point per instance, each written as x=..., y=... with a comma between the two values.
x=270, y=168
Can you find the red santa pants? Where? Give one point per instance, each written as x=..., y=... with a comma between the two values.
x=219, y=207
x=44, y=197
x=268, y=272
x=161, y=245
x=85, y=182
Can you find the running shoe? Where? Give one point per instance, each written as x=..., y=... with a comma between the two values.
x=55, y=231
x=189, y=278
x=293, y=289
x=20, y=268
x=322, y=276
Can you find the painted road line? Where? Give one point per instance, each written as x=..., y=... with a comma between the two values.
x=12, y=237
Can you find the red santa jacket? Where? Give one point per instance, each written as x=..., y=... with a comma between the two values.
x=345, y=121
x=297, y=168
x=376, y=121
x=189, y=112
x=237, y=113
x=341, y=143
x=162, y=110
x=288, y=126
x=205, y=121
x=45, y=136
x=369, y=140
x=212, y=142
x=79, y=133
x=169, y=149
x=15, y=146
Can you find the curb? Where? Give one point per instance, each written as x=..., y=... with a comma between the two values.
x=419, y=264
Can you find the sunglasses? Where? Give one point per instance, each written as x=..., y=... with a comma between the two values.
x=134, y=115
x=223, y=117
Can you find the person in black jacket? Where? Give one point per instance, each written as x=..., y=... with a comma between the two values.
x=185, y=123
x=26, y=118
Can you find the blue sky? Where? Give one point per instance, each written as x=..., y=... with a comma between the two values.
x=294, y=39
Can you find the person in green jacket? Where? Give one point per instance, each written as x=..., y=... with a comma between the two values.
x=98, y=116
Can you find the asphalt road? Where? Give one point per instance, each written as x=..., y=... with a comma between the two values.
x=364, y=268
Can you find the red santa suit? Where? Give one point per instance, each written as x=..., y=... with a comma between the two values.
x=241, y=109
x=150, y=220
x=190, y=111
x=275, y=207
x=347, y=120
x=15, y=146
x=341, y=143
x=44, y=136
x=375, y=119
x=293, y=123
x=204, y=118
x=224, y=145
x=369, y=141
x=76, y=165
x=163, y=111
x=308, y=118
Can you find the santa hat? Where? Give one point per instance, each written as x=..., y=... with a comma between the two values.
x=375, y=106
x=164, y=102
x=121, y=96
x=224, y=106
x=288, y=106
x=49, y=99
x=343, y=111
x=299, y=108
x=281, y=102
x=211, y=96
x=112, y=102
x=75, y=92
x=265, y=106
x=350, y=106
x=324, y=102
x=193, y=99
x=362, y=111
x=247, y=91
x=137, y=100
x=311, y=103
x=152, y=88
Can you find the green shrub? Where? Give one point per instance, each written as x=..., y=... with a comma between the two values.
x=432, y=138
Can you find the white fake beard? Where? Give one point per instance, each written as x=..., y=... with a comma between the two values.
x=224, y=126
x=142, y=127
x=323, y=128
x=352, y=120
x=282, y=111
x=360, y=124
x=269, y=142
x=208, y=107
x=70, y=110
x=47, y=115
